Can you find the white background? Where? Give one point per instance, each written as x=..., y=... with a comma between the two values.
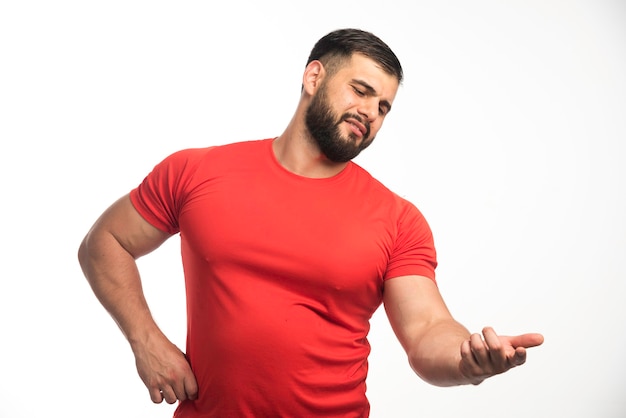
x=509, y=133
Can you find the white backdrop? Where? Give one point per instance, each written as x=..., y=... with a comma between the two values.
x=509, y=133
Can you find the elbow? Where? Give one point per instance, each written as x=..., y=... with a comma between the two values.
x=82, y=254
x=85, y=254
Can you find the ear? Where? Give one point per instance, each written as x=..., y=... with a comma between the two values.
x=314, y=73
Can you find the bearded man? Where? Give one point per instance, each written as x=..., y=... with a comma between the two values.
x=288, y=249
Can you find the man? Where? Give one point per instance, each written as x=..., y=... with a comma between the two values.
x=288, y=249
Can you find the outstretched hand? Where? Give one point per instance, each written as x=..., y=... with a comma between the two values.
x=166, y=372
x=495, y=354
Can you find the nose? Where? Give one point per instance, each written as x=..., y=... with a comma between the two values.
x=368, y=109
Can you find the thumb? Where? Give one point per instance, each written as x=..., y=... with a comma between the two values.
x=526, y=340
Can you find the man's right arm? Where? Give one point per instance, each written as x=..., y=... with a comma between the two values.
x=107, y=257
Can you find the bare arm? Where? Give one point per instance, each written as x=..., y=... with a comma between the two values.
x=441, y=350
x=107, y=256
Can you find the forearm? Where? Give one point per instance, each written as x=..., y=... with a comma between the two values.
x=436, y=356
x=114, y=278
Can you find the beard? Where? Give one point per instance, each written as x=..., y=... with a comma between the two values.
x=324, y=130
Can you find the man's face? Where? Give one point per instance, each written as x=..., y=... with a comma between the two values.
x=324, y=127
x=364, y=94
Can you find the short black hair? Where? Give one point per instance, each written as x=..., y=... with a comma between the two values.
x=341, y=44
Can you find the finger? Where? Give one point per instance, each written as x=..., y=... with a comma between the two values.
x=526, y=340
x=186, y=389
x=191, y=388
x=179, y=391
x=169, y=395
x=519, y=357
x=479, y=350
x=491, y=339
x=469, y=367
x=155, y=395
x=496, y=350
x=465, y=349
x=468, y=356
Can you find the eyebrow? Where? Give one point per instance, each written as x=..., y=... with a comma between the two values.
x=372, y=92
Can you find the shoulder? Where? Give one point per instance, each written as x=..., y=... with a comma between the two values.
x=379, y=190
x=191, y=157
x=241, y=148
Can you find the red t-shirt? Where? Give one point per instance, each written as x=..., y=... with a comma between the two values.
x=283, y=274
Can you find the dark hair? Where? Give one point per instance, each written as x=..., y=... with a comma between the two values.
x=337, y=46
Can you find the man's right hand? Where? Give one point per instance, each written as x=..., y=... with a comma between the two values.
x=165, y=371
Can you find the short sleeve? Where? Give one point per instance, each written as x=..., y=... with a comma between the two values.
x=161, y=195
x=414, y=250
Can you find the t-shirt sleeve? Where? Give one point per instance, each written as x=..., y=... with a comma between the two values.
x=414, y=251
x=160, y=196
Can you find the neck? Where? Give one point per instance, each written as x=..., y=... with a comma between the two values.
x=295, y=151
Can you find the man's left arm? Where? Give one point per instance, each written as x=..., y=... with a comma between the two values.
x=441, y=350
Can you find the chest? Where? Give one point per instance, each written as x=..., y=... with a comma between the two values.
x=321, y=239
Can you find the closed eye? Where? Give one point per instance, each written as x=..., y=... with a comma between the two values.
x=383, y=109
x=358, y=92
